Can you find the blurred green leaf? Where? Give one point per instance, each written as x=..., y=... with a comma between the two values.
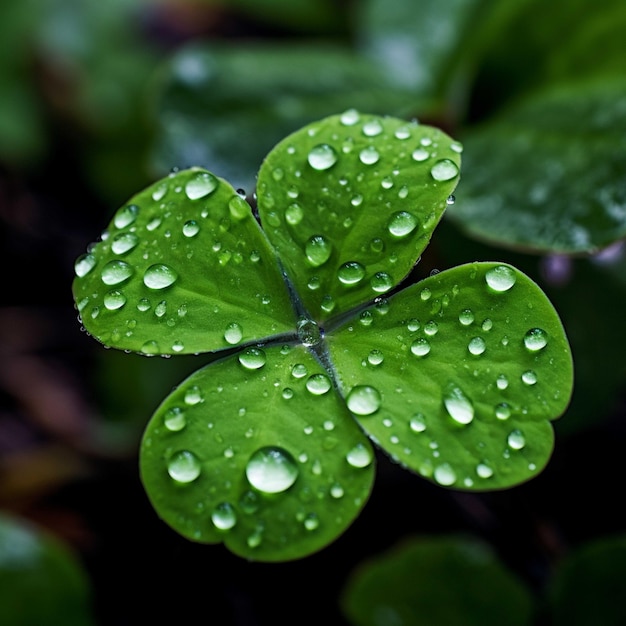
x=41, y=582
x=439, y=581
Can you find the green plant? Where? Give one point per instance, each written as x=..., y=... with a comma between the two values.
x=455, y=377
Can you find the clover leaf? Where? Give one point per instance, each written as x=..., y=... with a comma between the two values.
x=266, y=449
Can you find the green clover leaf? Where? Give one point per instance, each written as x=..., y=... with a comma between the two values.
x=267, y=449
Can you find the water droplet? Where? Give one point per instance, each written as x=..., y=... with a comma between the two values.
x=238, y=208
x=314, y=283
x=336, y=491
x=318, y=384
x=425, y=294
x=272, y=470
x=126, y=216
x=294, y=214
x=535, y=339
x=403, y=132
x=420, y=347
x=420, y=155
x=444, y=474
x=516, y=440
x=154, y=223
x=160, y=309
x=456, y=147
x=413, y=325
x=363, y=400
x=252, y=358
x=466, y=317
x=360, y=456
x=503, y=411
x=287, y=393
x=450, y=200
x=114, y=300
x=84, y=264
x=255, y=539
x=458, y=405
x=299, y=370
x=372, y=128
x=193, y=396
x=431, y=328
x=381, y=282
x=351, y=273
x=159, y=192
x=311, y=521
x=444, y=170
x=200, y=185
x=224, y=516
x=502, y=382
x=174, y=419
x=356, y=200
x=159, y=276
x=387, y=182
x=184, y=466
x=124, y=242
x=309, y=332
x=369, y=155
x=191, y=228
x=233, y=333
x=328, y=304
x=317, y=250
x=375, y=357
x=418, y=423
x=150, y=347
x=500, y=278
x=529, y=377
x=487, y=325
x=476, y=346
x=484, y=471
x=322, y=157
x=249, y=502
x=402, y=224
x=116, y=272
x=350, y=117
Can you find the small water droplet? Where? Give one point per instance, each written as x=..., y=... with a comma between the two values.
x=287, y=393
x=500, y=278
x=184, y=466
x=351, y=273
x=535, y=339
x=413, y=325
x=255, y=539
x=114, y=300
x=252, y=358
x=154, y=223
x=516, y=440
x=375, y=357
x=450, y=200
x=328, y=304
x=456, y=147
x=272, y=470
x=487, y=325
x=372, y=128
x=420, y=347
x=317, y=250
x=294, y=214
x=193, y=396
x=350, y=117
x=418, y=423
x=402, y=224
x=431, y=328
x=322, y=157
x=458, y=405
x=444, y=170
x=502, y=382
x=420, y=155
x=160, y=309
x=299, y=370
x=174, y=419
x=238, y=208
x=369, y=156
x=484, y=471
x=425, y=294
x=336, y=491
x=311, y=521
x=318, y=384
x=159, y=192
x=381, y=282
x=360, y=456
x=403, y=132
x=476, y=346
x=124, y=242
x=200, y=185
x=444, y=474
x=116, y=272
x=224, y=516
x=387, y=182
x=126, y=216
x=84, y=264
x=503, y=411
x=309, y=332
x=159, y=276
x=233, y=333
x=529, y=377
x=191, y=228
x=466, y=317
x=363, y=400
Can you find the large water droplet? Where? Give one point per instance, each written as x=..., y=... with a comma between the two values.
x=159, y=276
x=200, y=185
x=402, y=224
x=351, y=273
x=458, y=405
x=500, y=278
x=360, y=456
x=114, y=300
x=224, y=516
x=309, y=332
x=317, y=250
x=369, y=155
x=476, y=346
x=318, y=384
x=124, y=242
x=444, y=170
x=420, y=347
x=272, y=470
x=516, y=440
x=126, y=216
x=363, y=400
x=184, y=466
x=535, y=339
x=116, y=272
x=233, y=333
x=252, y=358
x=444, y=474
x=84, y=264
x=322, y=157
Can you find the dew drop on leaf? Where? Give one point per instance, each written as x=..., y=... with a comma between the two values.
x=294, y=214
x=476, y=346
x=466, y=317
x=402, y=224
x=299, y=370
x=375, y=357
x=484, y=471
x=351, y=273
x=360, y=456
x=516, y=440
x=418, y=423
x=252, y=358
x=126, y=216
x=311, y=521
x=238, y=207
x=444, y=170
x=200, y=185
x=184, y=466
x=309, y=332
x=372, y=128
x=535, y=339
x=114, y=300
x=322, y=157
x=402, y=133
x=381, y=282
x=444, y=474
x=317, y=250
x=363, y=400
x=224, y=516
x=150, y=347
x=350, y=117
x=116, y=272
x=458, y=405
x=84, y=264
x=369, y=156
x=503, y=411
x=159, y=276
x=193, y=396
x=159, y=192
x=420, y=347
x=174, y=419
x=500, y=278
x=336, y=491
x=420, y=155
x=502, y=382
x=318, y=384
x=431, y=328
x=529, y=377
x=124, y=242
x=272, y=470
x=233, y=333
x=191, y=228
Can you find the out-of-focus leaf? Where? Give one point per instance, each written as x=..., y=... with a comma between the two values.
x=224, y=108
x=41, y=582
x=441, y=581
x=548, y=174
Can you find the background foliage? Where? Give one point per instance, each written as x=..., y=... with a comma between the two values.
x=101, y=98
